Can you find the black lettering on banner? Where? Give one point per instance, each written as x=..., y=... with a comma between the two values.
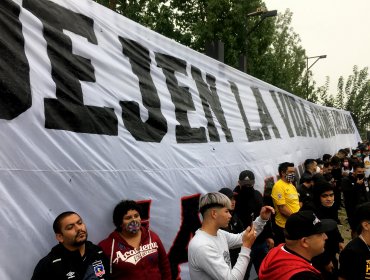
x=307, y=121
x=155, y=127
x=298, y=116
x=332, y=125
x=316, y=118
x=190, y=222
x=326, y=118
x=181, y=98
x=15, y=89
x=209, y=99
x=68, y=111
x=288, y=101
x=322, y=125
x=342, y=119
x=265, y=117
x=282, y=110
x=337, y=124
x=324, y=122
x=252, y=134
x=345, y=124
x=350, y=123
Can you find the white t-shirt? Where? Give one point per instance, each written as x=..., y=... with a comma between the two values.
x=209, y=256
x=367, y=166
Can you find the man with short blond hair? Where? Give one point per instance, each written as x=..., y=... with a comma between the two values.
x=208, y=251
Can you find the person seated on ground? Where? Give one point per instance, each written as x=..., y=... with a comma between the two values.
x=235, y=225
x=74, y=257
x=305, y=238
x=208, y=251
x=355, y=257
x=135, y=252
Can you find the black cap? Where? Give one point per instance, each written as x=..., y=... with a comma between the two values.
x=228, y=192
x=246, y=175
x=305, y=223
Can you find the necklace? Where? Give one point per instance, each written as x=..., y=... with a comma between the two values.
x=363, y=239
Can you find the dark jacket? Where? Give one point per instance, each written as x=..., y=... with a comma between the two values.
x=354, y=194
x=63, y=264
x=248, y=205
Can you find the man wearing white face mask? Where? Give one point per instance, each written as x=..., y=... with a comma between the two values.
x=286, y=199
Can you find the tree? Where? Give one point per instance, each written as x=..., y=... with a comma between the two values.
x=154, y=14
x=283, y=65
x=354, y=96
x=324, y=97
x=274, y=53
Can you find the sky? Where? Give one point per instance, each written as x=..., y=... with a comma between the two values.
x=339, y=29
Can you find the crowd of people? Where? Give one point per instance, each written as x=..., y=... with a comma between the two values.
x=291, y=234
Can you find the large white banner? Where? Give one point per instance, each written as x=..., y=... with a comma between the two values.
x=95, y=108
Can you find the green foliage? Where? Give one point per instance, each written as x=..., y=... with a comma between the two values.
x=154, y=14
x=354, y=95
x=283, y=64
x=324, y=97
x=273, y=49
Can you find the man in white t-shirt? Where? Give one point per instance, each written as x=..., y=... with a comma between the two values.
x=367, y=162
x=208, y=252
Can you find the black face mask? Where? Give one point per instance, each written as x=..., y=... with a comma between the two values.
x=328, y=177
x=360, y=176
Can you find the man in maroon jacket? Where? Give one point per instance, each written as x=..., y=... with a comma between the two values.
x=305, y=238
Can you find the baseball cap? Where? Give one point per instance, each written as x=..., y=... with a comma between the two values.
x=305, y=223
x=246, y=175
x=228, y=192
